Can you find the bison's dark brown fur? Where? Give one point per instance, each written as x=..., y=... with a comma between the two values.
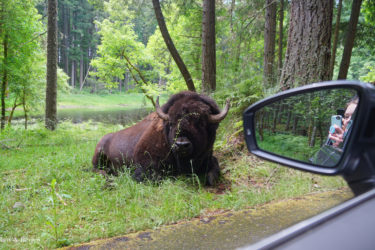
x=176, y=139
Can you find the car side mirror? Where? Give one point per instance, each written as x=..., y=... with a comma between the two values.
x=301, y=128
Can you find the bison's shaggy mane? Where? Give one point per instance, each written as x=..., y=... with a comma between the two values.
x=214, y=109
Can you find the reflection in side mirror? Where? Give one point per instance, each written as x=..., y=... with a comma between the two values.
x=308, y=127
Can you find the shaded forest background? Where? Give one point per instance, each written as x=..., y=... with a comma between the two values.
x=116, y=45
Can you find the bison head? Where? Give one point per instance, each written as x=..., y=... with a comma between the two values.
x=190, y=123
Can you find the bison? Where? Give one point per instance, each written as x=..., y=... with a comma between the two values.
x=176, y=139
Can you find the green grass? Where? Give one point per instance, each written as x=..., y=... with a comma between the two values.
x=86, y=207
x=98, y=102
x=84, y=101
x=288, y=145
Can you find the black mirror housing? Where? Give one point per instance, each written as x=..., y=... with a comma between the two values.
x=357, y=163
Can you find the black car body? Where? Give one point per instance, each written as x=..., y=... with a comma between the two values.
x=350, y=225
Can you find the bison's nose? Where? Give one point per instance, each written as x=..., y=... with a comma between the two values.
x=183, y=145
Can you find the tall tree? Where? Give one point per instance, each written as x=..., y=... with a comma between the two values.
x=51, y=90
x=335, y=39
x=170, y=45
x=4, y=83
x=208, y=47
x=309, y=42
x=350, y=36
x=4, y=80
x=281, y=36
x=269, y=43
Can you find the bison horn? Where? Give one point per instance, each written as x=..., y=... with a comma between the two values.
x=219, y=117
x=160, y=112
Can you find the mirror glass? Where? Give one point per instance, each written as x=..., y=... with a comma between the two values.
x=311, y=127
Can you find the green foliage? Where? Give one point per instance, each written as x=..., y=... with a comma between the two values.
x=25, y=64
x=370, y=77
x=362, y=58
x=121, y=53
x=247, y=92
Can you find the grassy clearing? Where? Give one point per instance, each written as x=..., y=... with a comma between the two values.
x=292, y=146
x=98, y=102
x=84, y=101
x=82, y=206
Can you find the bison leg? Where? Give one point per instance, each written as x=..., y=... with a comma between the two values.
x=213, y=173
x=101, y=164
x=141, y=174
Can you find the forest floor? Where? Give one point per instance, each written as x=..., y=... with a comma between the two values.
x=50, y=198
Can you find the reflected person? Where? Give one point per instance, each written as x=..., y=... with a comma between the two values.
x=339, y=134
x=330, y=153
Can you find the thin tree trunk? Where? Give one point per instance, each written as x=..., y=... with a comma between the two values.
x=313, y=136
x=321, y=135
x=281, y=112
x=24, y=108
x=269, y=43
x=66, y=40
x=335, y=38
x=81, y=72
x=51, y=90
x=208, y=47
x=172, y=49
x=5, y=80
x=261, y=125
x=84, y=80
x=15, y=105
x=295, y=124
x=238, y=53
x=274, y=121
x=73, y=74
x=287, y=126
x=281, y=35
x=350, y=36
x=232, y=6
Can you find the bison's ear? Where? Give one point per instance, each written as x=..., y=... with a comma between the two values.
x=160, y=112
x=219, y=117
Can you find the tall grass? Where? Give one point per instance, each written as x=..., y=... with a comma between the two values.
x=89, y=207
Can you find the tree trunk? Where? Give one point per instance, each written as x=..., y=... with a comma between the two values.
x=261, y=125
x=66, y=40
x=335, y=38
x=172, y=49
x=51, y=90
x=287, y=126
x=208, y=47
x=313, y=136
x=321, y=135
x=350, y=36
x=309, y=40
x=281, y=36
x=73, y=74
x=295, y=124
x=4, y=84
x=269, y=43
x=81, y=72
x=24, y=108
x=274, y=120
x=232, y=6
